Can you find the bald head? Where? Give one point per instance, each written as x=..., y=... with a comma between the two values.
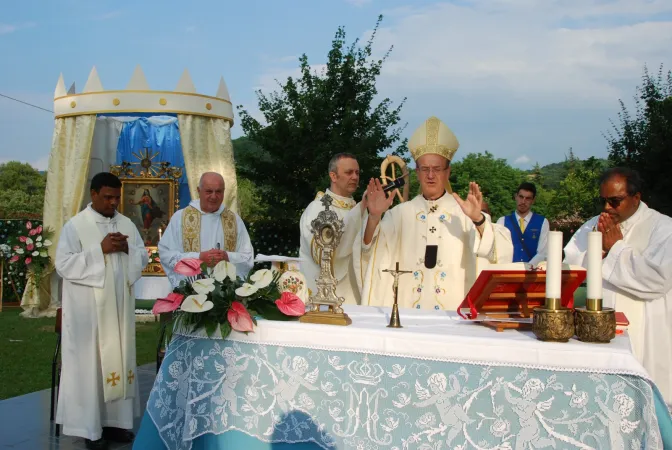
x=211, y=191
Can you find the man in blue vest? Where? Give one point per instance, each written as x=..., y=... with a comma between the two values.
x=529, y=231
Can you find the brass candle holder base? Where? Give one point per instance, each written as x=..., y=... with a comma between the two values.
x=395, y=322
x=554, y=324
x=326, y=318
x=595, y=326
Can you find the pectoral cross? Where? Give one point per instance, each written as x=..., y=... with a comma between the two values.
x=394, y=318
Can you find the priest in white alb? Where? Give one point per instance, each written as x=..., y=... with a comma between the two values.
x=437, y=236
x=100, y=255
x=636, y=269
x=344, y=175
x=206, y=230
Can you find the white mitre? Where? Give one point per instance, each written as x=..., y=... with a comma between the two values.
x=434, y=137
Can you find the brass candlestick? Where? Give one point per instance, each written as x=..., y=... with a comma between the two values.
x=595, y=323
x=395, y=322
x=553, y=322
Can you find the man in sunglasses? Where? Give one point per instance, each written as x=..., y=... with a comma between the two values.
x=637, y=269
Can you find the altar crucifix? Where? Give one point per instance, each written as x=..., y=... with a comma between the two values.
x=394, y=318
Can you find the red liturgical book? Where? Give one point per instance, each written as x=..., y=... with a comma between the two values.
x=513, y=294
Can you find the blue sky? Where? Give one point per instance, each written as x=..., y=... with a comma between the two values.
x=523, y=79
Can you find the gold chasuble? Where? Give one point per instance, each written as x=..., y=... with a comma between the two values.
x=191, y=230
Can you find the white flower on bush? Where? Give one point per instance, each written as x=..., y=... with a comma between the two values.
x=38, y=239
x=196, y=304
x=246, y=290
x=224, y=270
x=36, y=253
x=19, y=251
x=262, y=278
x=38, y=244
x=204, y=286
x=43, y=253
x=47, y=242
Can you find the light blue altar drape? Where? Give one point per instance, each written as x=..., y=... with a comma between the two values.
x=136, y=135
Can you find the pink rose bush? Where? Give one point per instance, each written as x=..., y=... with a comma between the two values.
x=216, y=298
x=30, y=247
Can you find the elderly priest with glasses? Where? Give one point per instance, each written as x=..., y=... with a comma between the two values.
x=437, y=235
x=636, y=269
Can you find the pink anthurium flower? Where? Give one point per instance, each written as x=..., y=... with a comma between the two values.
x=39, y=229
x=28, y=260
x=239, y=318
x=33, y=232
x=29, y=225
x=14, y=259
x=168, y=304
x=189, y=267
x=23, y=238
x=30, y=247
x=290, y=304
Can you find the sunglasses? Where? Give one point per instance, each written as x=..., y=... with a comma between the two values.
x=614, y=202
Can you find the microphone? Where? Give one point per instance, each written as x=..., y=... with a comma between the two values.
x=396, y=184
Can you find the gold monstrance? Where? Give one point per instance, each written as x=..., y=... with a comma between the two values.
x=327, y=230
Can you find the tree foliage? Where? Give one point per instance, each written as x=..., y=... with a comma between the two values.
x=311, y=118
x=497, y=179
x=21, y=190
x=643, y=140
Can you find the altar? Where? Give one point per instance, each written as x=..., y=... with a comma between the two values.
x=437, y=383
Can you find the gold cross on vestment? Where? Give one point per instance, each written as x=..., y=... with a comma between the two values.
x=113, y=379
x=130, y=377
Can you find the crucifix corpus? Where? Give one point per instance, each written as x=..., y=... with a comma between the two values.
x=395, y=322
x=327, y=230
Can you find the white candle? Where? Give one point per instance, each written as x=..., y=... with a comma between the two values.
x=594, y=265
x=554, y=265
x=159, y=233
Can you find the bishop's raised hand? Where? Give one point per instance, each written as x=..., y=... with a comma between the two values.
x=377, y=200
x=471, y=206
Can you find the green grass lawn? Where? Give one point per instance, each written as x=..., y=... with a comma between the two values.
x=27, y=348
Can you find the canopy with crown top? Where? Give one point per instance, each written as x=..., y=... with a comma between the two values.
x=97, y=129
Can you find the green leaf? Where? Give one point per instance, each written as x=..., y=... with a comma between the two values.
x=225, y=329
x=210, y=328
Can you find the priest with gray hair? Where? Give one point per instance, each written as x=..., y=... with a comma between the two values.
x=206, y=230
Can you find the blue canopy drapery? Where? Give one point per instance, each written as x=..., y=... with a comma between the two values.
x=154, y=135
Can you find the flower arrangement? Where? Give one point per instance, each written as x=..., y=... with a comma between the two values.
x=30, y=247
x=153, y=255
x=212, y=298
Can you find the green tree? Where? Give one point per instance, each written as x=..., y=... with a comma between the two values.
x=21, y=189
x=497, y=179
x=643, y=140
x=311, y=118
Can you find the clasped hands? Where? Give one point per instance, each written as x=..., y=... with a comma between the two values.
x=611, y=232
x=115, y=242
x=213, y=256
x=377, y=201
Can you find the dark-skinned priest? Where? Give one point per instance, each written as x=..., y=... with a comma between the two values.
x=100, y=255
x=438, y=236
x=636, y=269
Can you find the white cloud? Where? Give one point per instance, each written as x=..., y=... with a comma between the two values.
x=522, y=160
x=6, y=28
x=517, y=77
x=358, y=3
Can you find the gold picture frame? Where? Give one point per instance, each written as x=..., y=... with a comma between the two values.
x=149, y=197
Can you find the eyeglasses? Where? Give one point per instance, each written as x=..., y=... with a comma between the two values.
x=427, y=170
x=614, y=202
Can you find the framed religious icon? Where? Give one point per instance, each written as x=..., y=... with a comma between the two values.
x=149, y=197
x=149, y=203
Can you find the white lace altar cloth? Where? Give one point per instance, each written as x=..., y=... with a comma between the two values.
x=435, y=384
